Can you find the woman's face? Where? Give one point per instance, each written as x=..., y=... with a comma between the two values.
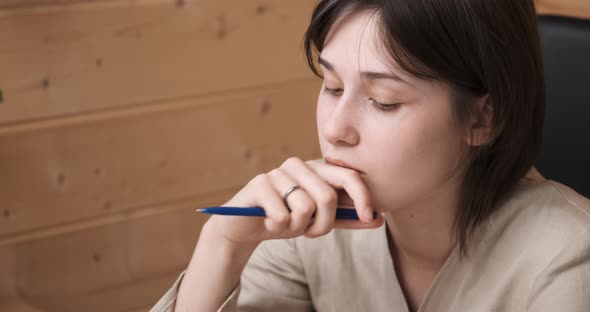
x=406, y=151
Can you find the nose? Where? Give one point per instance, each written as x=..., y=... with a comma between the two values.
x=341, y=127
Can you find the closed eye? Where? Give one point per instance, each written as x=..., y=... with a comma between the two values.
x=385, y=107
x=380, y=106
x=332, y=91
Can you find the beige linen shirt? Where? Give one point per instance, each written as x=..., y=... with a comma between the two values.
x=534, y=255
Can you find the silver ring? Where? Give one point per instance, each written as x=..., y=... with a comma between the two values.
x=289, y=191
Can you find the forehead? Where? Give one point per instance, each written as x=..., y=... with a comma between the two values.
x=354, y=43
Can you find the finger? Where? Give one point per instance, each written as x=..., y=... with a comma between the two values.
x=277, y=216
x=301, y=204
x=357, y=224
x=320, y=192
x=349, y=180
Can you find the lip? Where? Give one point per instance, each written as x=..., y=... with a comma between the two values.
x=340, y=163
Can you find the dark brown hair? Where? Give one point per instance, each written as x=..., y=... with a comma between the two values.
x=478, y=48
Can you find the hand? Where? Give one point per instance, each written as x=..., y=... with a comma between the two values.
x=320, y=186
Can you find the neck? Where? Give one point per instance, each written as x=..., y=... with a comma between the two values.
x=422, y=234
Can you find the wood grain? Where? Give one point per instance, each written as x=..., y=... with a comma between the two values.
x=118, y=266
x=107, y=165
x=22, y=4
x=139, y=295
x=118, y=119
x=67, y=271
x=70, y=61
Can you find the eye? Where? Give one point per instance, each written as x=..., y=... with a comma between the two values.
x=380, y=106
x=334, y=92
x=385, y=107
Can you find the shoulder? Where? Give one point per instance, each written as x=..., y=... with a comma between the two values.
x=560, y=246
x=544, y=208
x=547, y=207
x=542, y=221
x=572, y=202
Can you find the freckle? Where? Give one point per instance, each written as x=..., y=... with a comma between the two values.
x=96, y=257
x=97, y=172
x=411, y=215
x=221, y=27
x=45, y=83
x=6, y=213
x=163, y=163
x=264, y=106
x=180, y=3
x=61, y=179
x=261, y=9
x=107, y=205
x=247, y=154
x=98, y=62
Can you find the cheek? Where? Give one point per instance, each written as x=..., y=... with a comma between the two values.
x=325, y=102
x=415, y=159
x=436, y=142
x=324, y=108
x=323, y=112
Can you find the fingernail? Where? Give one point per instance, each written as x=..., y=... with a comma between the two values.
x=368, y=215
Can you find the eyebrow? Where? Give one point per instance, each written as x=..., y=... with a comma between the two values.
x=367, y=75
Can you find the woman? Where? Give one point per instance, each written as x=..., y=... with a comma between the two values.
x=430, y=114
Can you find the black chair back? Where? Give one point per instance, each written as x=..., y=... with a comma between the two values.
x=565, y=154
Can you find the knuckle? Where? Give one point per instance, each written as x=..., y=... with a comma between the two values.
x=282, y=219
x=277, y=227
x=275, y=172
x=275, y=230
x=259, y=179
x=307, y=207
x=291, y=161
x=328, y=198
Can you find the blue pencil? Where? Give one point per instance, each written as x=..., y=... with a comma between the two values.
x=341, y=213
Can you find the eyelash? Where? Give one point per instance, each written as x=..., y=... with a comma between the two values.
x=379, y=106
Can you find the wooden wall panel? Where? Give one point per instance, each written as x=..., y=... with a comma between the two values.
x=18, y=305
x=7, y=266
x=79, y=59
x=81, y=169
x=163, y=243
x=574, y=8
x=90, y=265
x=118, y=119
x=69, y=264
x=139, y=295
x=20, y=4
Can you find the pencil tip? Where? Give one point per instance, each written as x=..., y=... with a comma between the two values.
x=198, y=210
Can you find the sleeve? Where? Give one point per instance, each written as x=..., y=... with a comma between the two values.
x=166, y=303
x=273, y=280
x=565, y=284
